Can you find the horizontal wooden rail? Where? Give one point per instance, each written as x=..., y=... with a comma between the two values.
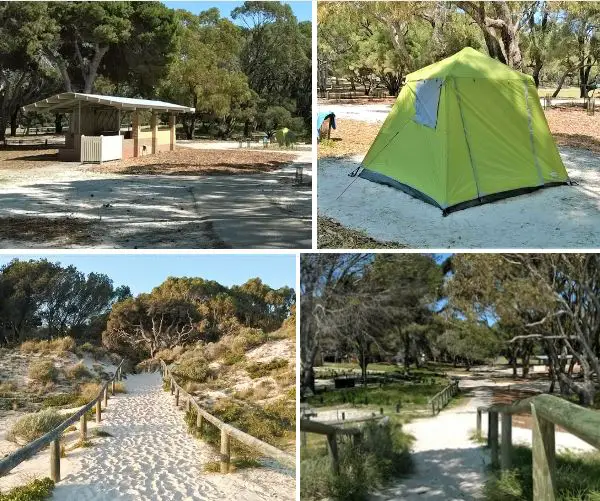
x=227, y=430
x=441, y=399
x=547, y=411
x=52, y=438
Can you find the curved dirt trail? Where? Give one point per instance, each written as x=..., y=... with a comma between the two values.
x=150, y=456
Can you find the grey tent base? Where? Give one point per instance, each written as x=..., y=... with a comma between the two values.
x=388, y=181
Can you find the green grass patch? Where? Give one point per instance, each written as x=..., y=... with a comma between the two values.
x=37, y=490
x=577, y=478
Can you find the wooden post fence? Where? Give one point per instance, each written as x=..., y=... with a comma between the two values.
x=547, y=412
x=227, y=431
x=442, y=398
x=52, y=438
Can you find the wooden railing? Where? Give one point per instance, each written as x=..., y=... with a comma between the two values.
x=331, y=432
x=227, y=431
x=52, y=438
x=441, y=399
x=546, y=412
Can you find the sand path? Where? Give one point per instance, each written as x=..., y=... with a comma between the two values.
x=448, y=465
x=150, y=456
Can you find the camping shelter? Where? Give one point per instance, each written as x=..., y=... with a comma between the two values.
x=465, y=130
x=95, y=133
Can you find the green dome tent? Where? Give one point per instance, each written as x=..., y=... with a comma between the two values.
x=465, y=131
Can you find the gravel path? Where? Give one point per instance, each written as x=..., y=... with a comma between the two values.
x=557, y=217
x=150, y=456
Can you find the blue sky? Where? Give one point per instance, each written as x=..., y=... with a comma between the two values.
x=302, y=10
x=145, y=271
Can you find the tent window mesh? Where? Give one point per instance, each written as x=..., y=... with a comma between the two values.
x=427, y=99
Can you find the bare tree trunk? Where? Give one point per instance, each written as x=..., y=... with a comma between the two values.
x=13, y=123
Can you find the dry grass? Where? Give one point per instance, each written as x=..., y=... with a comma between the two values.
x=332, y=235
x=350, y=138
x=59, y=345
x=188, y=161
x=21, y=157
x=43, y=229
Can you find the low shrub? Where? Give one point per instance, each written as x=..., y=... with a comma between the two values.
x=169, y=355
x=37, y=490
x=7, y=387
x=32, y=426
x=60, y=400
x=88, y=392
x=192, y=369
x=42, y=371
x=260, y=369
x=77, y=371
x=58, y=346
x=120, y=387
x=233, y=357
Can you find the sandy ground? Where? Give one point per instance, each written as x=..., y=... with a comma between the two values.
x=151, y=457
x=557, y=217
x=142, y=211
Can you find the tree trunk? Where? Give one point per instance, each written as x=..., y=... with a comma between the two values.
x=536, y=73
x=561, y=82
x=406, y=351
x=525, y=360
x=2, y=128
x=13, y=123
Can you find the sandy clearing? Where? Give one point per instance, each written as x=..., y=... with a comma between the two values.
x=151, y=457
x=564, y=216
x=142, y=211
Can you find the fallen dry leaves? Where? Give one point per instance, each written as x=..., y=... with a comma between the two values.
x=27, y=156
x=332, y=235
x=43, y=230
x=189, y=161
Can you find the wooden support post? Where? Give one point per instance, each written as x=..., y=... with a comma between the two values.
x=506, y=444
x=112, y=390
x=333, y=453
x=83, y=427
x=200, y=423
x=106, y=397
x=98, y=410
x=55, y=460
x=172, y=130
x=225, y=452
x=154, y=127
x=177, y=397
x=544, y=461
x=493, y=437
x=135, y=132
x=172, y=387
x=478, y=422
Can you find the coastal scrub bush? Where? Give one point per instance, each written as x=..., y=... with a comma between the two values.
x=42, y=371
x=260, y=369
x=37, y=490
x=192, y=369
x=32, y=426
x=60, y=400
x=59, y=345
x=77, y=371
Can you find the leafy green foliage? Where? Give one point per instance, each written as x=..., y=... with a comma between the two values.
x=32, y=426
x=192, y=369
x=36, y=490
x=61, y=400
x=78, y=371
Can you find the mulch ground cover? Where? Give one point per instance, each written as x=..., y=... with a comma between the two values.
x=189, y=161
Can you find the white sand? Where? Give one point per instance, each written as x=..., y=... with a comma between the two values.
x=151, y=457
x=557, y=217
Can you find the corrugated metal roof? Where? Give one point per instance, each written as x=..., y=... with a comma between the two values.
x=67, y=101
